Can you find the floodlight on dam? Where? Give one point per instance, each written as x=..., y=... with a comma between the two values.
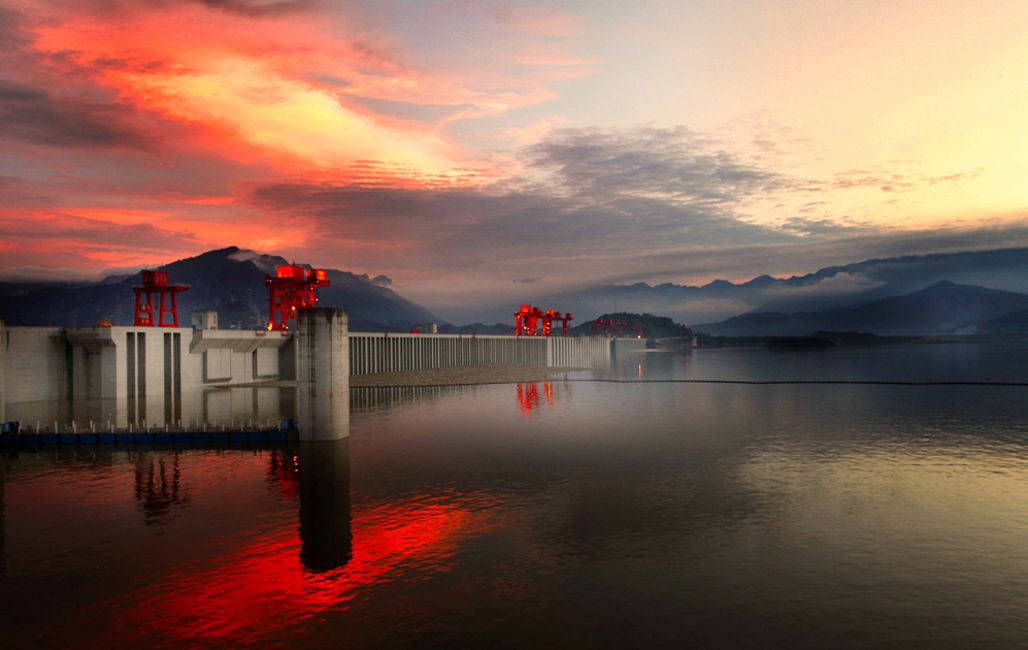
x=156, y=282
x=293, y=287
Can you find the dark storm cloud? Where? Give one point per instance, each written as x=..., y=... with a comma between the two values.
x=375, y=210
x=616, y=194
x=823, y=227
x=16, y=57
x=463, y=228
x=676, y=163
x=259, y=8
x=11, y=34
x=32, y=115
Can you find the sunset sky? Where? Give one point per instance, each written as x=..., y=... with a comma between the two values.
x=477, y=150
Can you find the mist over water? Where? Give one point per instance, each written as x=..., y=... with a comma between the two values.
x=561, y=513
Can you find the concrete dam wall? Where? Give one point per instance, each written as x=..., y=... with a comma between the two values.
x=172, y=375
x=372, y=353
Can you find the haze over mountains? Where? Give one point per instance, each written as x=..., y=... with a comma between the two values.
x=943, y=308
x=834, y=286
x=959, y=293
x=230, y=280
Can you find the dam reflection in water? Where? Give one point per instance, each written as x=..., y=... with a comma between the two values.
x=233, y=579
x=325, y=527
x=270, y=582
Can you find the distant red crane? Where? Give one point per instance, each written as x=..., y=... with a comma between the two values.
x=156, y=282
x=528, y=318
x=609, y=327
x=292, y=288
x=551, y=316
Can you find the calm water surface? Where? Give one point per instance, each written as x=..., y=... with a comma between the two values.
x=560, y=513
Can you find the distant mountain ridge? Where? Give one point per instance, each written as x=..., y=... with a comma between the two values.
x=832, y=286
x=1013, y=323
x=229, y=280
x=942, y=308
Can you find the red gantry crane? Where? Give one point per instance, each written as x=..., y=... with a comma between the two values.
x=528, y=318
x=292, y=288
x=609, y=327
x=550, y=316
x=526, y=321
x=156, y=282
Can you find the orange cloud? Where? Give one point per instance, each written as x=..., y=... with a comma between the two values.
x=243, y=98
x=248, y=91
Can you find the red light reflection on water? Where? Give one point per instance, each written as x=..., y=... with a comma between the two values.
x=528, y=397
x=283, y=471
x=263, y=588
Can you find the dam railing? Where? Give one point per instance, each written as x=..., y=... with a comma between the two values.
x=379, y=352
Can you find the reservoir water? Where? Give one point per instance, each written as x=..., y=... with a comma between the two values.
x=560, y=514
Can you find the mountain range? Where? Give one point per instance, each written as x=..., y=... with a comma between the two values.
x=942, y=308
x=980, y=292
x=229, y=280
x=830, y=287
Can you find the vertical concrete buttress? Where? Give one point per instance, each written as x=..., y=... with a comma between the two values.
x=3, y=371
x=323, y=374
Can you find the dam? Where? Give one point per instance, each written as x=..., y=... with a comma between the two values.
x=117, y=377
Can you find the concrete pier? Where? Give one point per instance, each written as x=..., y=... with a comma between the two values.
x=322, y=374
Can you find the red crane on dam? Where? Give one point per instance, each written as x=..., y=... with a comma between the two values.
x=527, y=319
x=608, y=327
x=156, y=282
x=293, y=287
x=550, y=316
